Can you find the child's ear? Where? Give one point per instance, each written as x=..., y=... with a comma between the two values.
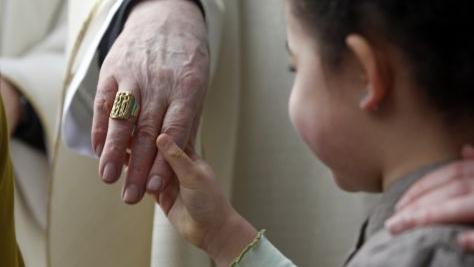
x=375, y=77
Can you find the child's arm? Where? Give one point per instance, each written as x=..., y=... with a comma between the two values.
x=199, y=211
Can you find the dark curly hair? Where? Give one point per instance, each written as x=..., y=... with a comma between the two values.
x=436, y=38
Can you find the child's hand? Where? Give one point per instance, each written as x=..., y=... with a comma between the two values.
x=444, y=196
x=198, y=209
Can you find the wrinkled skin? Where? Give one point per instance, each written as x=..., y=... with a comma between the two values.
x=162, y=58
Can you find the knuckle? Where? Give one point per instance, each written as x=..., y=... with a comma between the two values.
x=174, y=128
x=147, y=117
x=114, y=149
x=424, y=217
x=106, y=87
x=204, y=170
x=181, y=113
x=183, y=107
x=146, y=132
x=102, y=105
x=195, y=174
x=194, y=79
x=198, y=178
x=98, y=132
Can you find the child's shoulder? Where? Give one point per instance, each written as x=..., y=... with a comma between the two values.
x=429, y=246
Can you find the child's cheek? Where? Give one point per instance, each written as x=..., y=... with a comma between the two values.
x=316, y=133
x=303, y=118
x=316, y=125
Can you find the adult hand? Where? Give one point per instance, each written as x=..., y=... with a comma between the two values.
x=162, y=58
x=444, y=196
x=198, y=209
x=11, y=102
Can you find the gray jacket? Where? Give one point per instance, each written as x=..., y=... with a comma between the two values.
x=423, y=247
x=434, y=246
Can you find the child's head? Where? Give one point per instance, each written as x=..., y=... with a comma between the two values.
x=378, y=77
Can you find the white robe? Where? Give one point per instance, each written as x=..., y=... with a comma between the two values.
x=32, y=38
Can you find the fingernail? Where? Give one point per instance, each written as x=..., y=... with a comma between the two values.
x=131, y=194
x=154, y=183
x=162, y=142
x=110, y=172
x=395, y=225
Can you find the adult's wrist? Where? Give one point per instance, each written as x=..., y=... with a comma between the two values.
x=230, y=240
x=198, y=3
x=149, y=14
x=118, y=23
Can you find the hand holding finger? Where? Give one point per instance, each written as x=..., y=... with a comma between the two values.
x=177, y=124
x=143, y=150
x=181, y=164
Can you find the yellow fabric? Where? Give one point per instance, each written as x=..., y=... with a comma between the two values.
x=9, y=253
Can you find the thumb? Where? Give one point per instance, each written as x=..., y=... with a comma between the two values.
x=182, y=164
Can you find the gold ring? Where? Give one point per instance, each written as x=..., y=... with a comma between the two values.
x=125, y=106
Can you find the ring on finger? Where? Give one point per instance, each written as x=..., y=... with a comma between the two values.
x=125, y=106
